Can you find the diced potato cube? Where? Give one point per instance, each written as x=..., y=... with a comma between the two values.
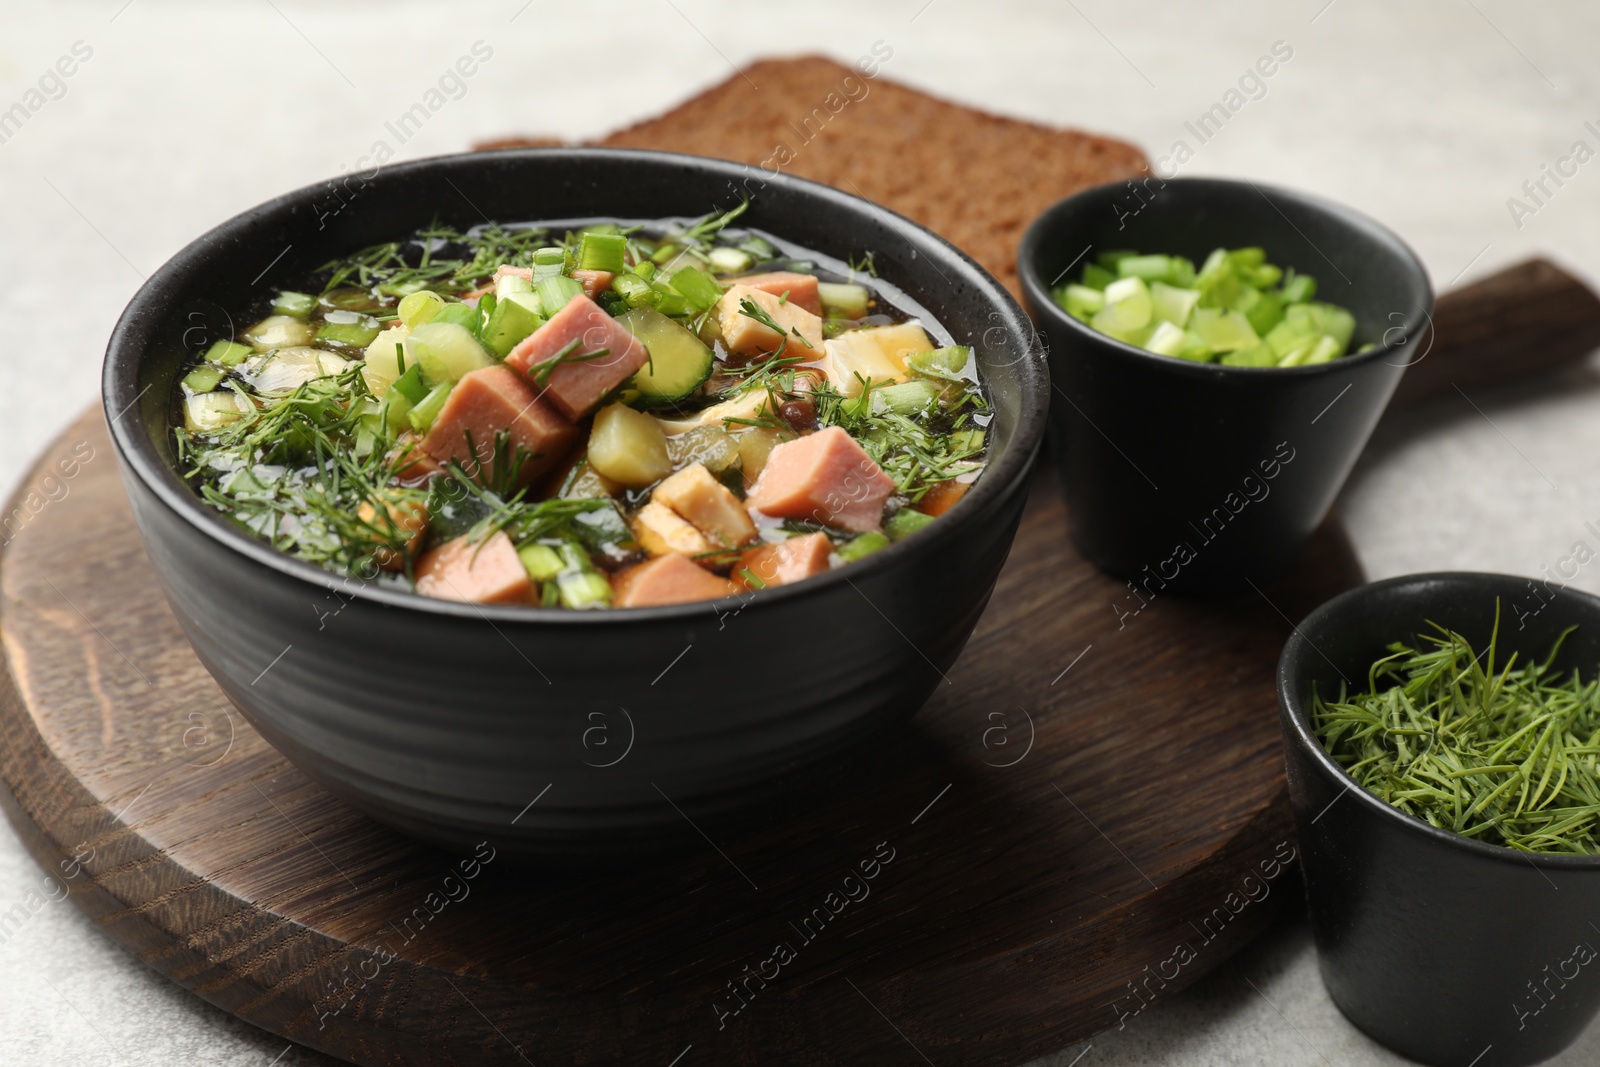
x=286, y=369
x=753, y=405
x=706, y=503
x=382, y=364
x=743, y=334
x=877, y=354
x=660, y=530
x=209, y=412
x=628, y=446
x=279, y=331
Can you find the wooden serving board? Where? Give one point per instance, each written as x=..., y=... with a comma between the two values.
x=1081, y=801
x=1088, y=818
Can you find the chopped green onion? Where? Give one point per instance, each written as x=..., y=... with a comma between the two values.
x=298, y=305
x=461, y=315
x=635, y=291
x=542, y=562
x=602, y=251
x=697, y=287
x=349, y=328
x=905, y=522
x=861, y=546
x=549, y=262
x=419, y=307
x=203, y=378
x=410, y=384
x=726, y=260
x=845, y=299
x=555, y=292
x=943, y=363
x=422, y=415
x=229, y=353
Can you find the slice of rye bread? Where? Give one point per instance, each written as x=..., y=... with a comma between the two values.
x=975, y=178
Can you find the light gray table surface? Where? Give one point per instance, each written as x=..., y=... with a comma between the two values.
x=1427, y=115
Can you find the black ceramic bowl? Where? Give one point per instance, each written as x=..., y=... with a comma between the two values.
x=450, y=720
x=1450, y=951
x=1194, y=477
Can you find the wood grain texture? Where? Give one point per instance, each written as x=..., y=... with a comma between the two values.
x=1529, y=319
x=1144, y=783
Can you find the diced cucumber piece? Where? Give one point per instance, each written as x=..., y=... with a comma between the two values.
x=542, y=562
x=1170, y=304
x=1097, y=277
x=1081, y=301
x=905, y=522
x=203, y=378
x=844, y=299
x=510, y=321
x=447, y=352
x=229, y=353
x=1223, y=331
x=730, y=260
x=410, y=384
x=419, y=307
x=349, y=328
x=296, y=305
x=943, y=363
x=556, y=292
x=906, y=398
x=679, y=361
x=1153, y=268
x=861, y=546
x=1168, y=340
x=422, y=415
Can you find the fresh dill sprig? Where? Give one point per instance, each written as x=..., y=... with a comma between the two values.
x=1507, y=757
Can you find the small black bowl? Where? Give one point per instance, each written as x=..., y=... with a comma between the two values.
x=564, y=736
x=1450, y=951
x=1196, y=477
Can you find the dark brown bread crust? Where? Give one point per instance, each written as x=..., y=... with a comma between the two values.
x=978, y=179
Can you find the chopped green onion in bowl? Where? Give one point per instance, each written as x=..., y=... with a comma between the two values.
x=1235, y=308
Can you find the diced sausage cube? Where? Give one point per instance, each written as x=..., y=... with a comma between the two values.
x=825, y=477
x=594, y=282
x=783, y=562
x=577, y=384
x=487, y=401
x=708, y=504
x=477, y=572
x=668, y=579
x=802, y=288
x=745, y=335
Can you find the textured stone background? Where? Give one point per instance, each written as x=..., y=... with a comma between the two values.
x=1427, y=115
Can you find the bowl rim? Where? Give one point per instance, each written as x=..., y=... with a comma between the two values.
x=1298, y=729
x=1042, y=304
x=125, y=357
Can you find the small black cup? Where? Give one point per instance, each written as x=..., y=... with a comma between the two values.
x=1196, y=477
x=1450, y=951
